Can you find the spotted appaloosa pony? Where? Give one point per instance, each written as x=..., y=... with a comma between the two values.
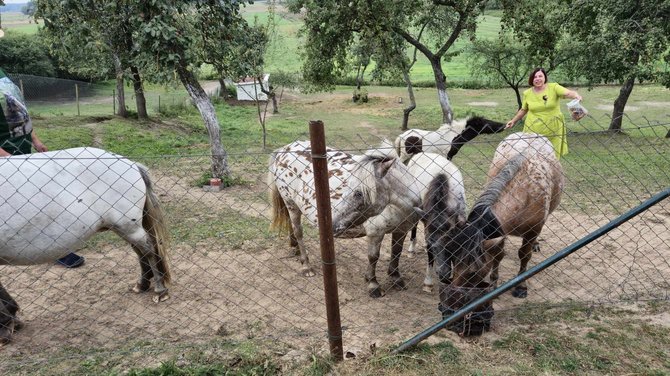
x=370, y=195
x=53, y=202
x=524, y=187
x=446, y=140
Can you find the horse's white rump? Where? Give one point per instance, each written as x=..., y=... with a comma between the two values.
x=53, y=202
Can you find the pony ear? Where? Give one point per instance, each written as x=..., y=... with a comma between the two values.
x=383, y=167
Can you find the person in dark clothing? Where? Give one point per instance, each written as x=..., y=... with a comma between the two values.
x=18, y=137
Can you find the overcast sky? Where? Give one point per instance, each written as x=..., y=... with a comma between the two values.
x=15, y=1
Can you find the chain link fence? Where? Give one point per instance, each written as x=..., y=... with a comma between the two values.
x=48, y=95
x=235, y=280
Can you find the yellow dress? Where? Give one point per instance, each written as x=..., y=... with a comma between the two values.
x=545, y=117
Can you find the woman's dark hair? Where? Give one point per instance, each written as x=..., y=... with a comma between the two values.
x=532, y=75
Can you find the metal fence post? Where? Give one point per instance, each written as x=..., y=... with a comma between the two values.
x=318, y=141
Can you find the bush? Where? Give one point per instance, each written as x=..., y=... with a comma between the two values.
x=26, y=54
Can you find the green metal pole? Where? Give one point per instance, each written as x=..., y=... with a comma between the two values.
x=536, y=269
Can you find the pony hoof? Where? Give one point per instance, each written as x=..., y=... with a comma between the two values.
x=428, y=288
x=309, y=272
x=520, y=292
x=376, y=293
x=139, y=288
x=6, y=333
x=18, y=324
x=161, y=297
x=399, y=284
x=536, y=247
x=411, y=254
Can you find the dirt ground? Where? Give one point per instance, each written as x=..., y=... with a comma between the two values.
x=255, y=291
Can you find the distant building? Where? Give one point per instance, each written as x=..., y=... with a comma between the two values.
x=249, y=89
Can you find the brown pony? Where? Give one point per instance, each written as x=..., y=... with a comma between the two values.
x=524, y=186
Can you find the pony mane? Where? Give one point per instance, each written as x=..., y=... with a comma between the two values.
x=364, y=173
x=500, y=181
x=470, y=238
x=442, y=216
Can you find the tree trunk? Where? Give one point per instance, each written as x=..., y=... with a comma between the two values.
x=519, y=103
x=120, y=92
x=412, y=101
x=271, y=96
x=441, y=84
x=620, y=104
x=202, y=102
x=140, y=101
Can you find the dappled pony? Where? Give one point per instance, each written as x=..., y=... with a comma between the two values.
x=53, y=202
x=370, y=195
x=442, y=203
x=446, y=140
x=525, y=181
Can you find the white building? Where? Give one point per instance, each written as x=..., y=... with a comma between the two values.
x=249, y=89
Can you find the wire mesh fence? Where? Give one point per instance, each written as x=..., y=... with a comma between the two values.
x=234, y=279
x=47, y=95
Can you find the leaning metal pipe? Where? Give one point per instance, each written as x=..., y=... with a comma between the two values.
x=536, y=269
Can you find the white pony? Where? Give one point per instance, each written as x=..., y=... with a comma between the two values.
x=53, y=202
x=370, y=195
x=446, y=140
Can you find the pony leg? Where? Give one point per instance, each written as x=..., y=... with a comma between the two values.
x=151, y=265
x=525, y=253
x=496, y=251
x=428, y=279
x=397, y=240
x=8, y=321
x=374, y=245
x=146, y=272
x=411, y=251
x=296, y=231
x=293, y=241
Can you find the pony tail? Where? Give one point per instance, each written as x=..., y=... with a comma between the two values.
x=281, y=221
x=154, y=223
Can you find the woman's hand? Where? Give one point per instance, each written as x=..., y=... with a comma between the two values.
x=39, y=146
x=510, y=124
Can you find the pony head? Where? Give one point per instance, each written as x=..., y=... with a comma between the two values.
x=465, y=244
x=374, y=183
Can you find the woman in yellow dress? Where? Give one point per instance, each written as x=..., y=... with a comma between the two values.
x=541, y=105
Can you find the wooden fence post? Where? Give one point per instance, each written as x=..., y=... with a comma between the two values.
x=318, y=141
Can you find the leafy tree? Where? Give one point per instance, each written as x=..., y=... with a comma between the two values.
x=620, y=41
x=93, y=38
x=27, y=54
x=609, y=41
x=177, y=37
x=505, y=59
x=391, y=58
x=330, y=26
x=29, y=9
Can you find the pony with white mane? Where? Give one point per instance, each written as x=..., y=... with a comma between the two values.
x=370, y=195
x=446, y=140
x=53, y=202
